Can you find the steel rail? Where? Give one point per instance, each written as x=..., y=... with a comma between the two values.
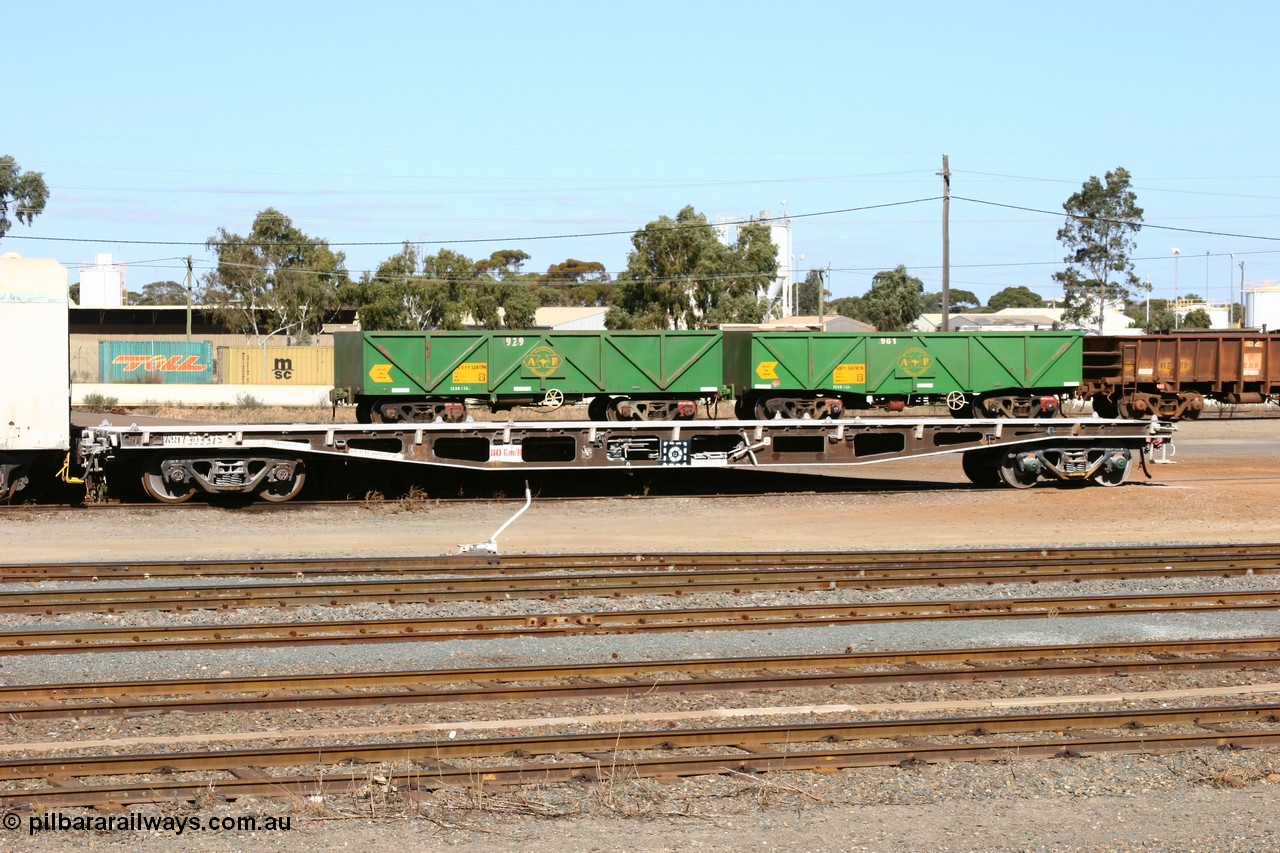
x=608, y=751
x=382, y=689
x=550, y=587
x=151, y=638
x=1253, y=646
x=1229, y=556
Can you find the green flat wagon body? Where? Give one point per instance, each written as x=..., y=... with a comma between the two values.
x=429, y=375
x=1011, y=374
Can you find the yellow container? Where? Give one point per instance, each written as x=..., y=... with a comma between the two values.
x=275, y=366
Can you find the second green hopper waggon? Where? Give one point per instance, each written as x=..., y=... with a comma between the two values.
x=824, y=374
x=429, y=376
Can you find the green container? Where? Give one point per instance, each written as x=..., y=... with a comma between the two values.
x=901, y=365
x=522, y=366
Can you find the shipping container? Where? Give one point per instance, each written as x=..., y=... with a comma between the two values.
x=35, y=408
x=156, y=362
x=275, y=366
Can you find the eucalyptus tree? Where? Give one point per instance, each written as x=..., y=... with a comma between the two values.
x=277, y=279
x=895, y=300
x=680, y=275
x=22, y=194
x=1102, y=219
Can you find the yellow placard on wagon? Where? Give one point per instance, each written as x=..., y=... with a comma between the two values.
x=849, y=374
x=766, y=370
x=471, y=372
x=380, y=373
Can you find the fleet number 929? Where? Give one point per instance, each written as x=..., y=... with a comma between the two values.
x=514, y=342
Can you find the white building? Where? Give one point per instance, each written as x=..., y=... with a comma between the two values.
x=1114, y=321
x=102, y=283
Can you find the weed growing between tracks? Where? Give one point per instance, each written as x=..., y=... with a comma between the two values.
x=415, y=499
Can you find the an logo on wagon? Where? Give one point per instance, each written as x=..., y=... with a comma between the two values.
x=542, y=360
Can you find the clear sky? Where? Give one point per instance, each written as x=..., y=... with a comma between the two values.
x=486, y=124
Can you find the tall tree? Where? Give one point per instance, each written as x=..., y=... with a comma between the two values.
x=277, y=279
x=1015, y=297
x=22, y=194
x=961, y=300
x=894, y=301
x=849, y=306
x=160, y=293
x=680, y=274
x=807, y=293
x=1102, y=219
x=574, y=282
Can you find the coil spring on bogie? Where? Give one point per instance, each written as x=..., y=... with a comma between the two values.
x=1074, y=462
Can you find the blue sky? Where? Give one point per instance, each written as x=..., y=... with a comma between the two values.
x=484, y=125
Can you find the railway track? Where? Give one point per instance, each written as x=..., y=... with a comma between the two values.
x=1229, y=559
x=407, y=767
x=473, y=585
x=152, y=638
x=572, y=681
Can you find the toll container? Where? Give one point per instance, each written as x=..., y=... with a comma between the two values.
x=308, y=365
x=156, y=362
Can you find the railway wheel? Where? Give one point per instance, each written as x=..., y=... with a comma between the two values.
x=981, y=467
x=1118, y=473
x=279, y=491
x=1104, y=406
x=1013, y=474
x=598, y=408
x=164, y=488
x=613, y=414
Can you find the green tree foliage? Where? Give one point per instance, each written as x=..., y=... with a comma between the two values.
x=680, y=275
x=22, y=194
x=1102, y=219
x=851, y=307
x=446, y=290
x=1197, y=318
x=277, y=279
x=573, y=282
x=1015, y=297
x=160, y=293
x=807, y=294
x=961, y=300
x=894, y=301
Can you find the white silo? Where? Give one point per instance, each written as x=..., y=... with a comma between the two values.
x=1262, y=305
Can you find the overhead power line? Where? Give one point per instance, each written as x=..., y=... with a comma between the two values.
x=1118, y=221
x=523, y=239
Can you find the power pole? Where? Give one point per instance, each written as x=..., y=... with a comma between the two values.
x=189, y=276
x=946, y=242
x=823, y=281
x=1242, y=312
